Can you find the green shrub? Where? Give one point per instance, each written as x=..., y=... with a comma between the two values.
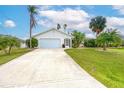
x=34, y=42
x=90, y=43
x=122, y=43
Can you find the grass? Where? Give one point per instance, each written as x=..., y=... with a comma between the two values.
x=4, y=58
x=106, y=66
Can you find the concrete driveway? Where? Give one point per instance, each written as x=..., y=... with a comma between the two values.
x=45, y=68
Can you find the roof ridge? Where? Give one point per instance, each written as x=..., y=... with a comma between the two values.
x=51, y=30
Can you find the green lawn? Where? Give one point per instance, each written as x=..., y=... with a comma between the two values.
x=107, y=67
x=4, y=58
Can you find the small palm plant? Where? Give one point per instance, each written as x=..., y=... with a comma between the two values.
x=8, y=42
x=78, y=37
x=107, y=38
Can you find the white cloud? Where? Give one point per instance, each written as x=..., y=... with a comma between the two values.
x=120, y=8
x=66, y=15
x=76, y=19
x=90, y=35
x=45, y=7
x=45, y=23
x=9, y=23
x=115, y=21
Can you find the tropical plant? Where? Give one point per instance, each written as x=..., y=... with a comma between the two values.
x=34, y=42
x=116, y=44
x=3, y=43
x=78, y=37
x=122, y=43
x=103, y=40
x=13, y=42
x=7, y=42
x=108, y=38
x=32, y=13
x=89, y=42
x=97, y=24
x=58, y=26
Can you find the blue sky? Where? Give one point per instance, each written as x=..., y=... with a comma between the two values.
x=14, y=20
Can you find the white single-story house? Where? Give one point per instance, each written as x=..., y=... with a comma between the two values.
x=53, y=38
x=23, y=45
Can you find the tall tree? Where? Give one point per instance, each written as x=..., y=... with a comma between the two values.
x=32, y=13
x=97, y=24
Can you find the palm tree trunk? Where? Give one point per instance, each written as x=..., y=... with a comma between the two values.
x=104, y=47
x=30, y=33
x=96, y=35
x=10, y=48
x=96, y=38
x=30, y=39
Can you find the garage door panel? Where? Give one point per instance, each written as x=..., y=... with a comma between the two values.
x=49, y=43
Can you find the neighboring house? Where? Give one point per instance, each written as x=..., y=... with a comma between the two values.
x=53, y=38
x=23, y=45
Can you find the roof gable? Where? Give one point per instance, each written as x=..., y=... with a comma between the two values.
x=53, y=29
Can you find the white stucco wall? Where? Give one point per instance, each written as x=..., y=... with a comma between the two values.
x=53, y=34
x=23, y=45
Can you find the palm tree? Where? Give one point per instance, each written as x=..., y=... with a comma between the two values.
x=58, y=26
x=78, y=37
x=7, y=42
x=97, y=24
x=103, y=40
x=65, y=26
x=12, y=42
x=107, y=38
x=32, y=12
x=3, y=43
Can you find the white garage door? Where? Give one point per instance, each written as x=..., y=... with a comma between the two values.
x=49, y=43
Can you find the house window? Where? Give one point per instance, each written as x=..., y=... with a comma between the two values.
x=67, y=42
